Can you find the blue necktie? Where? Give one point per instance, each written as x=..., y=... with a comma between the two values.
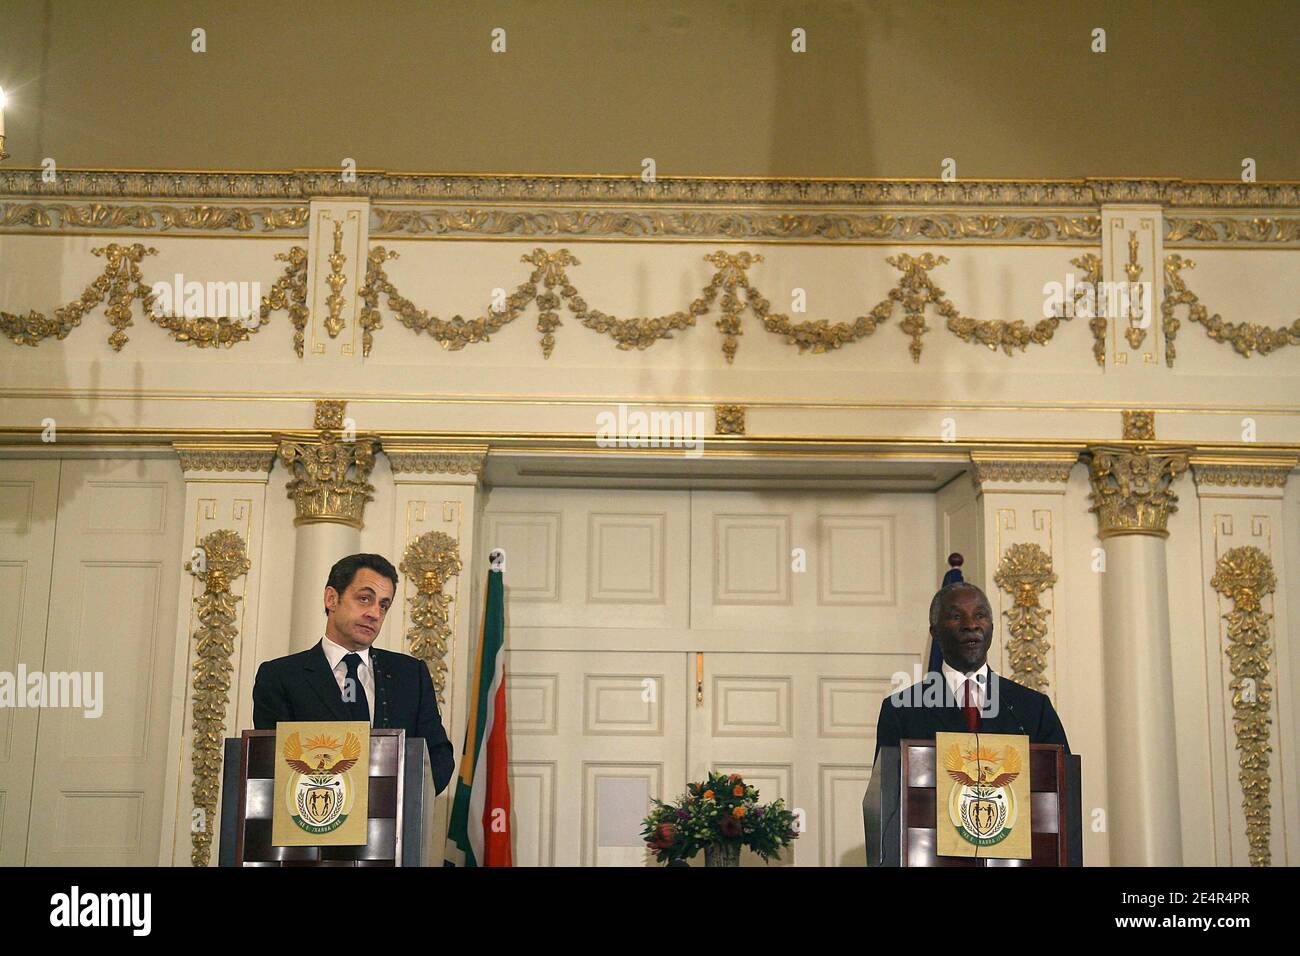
x=358, y=709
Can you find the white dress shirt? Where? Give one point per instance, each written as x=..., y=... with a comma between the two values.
x=956, y=678
x=335, y=653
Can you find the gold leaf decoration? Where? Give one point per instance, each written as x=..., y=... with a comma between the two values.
x=122, y=282
x=729, y=419
x=1024, y=571
x=220, y=558
x=1246, y=338
x=1245, y=576
x=1132, y=489
x=430, y=561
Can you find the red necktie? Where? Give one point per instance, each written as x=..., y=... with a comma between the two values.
x=969, y=710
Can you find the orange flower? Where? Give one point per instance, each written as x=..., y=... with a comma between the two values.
x=738, y=791
x=708, y=794
x=738, y=812
x=734, y=777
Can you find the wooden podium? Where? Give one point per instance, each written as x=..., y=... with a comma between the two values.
x=400, y=790
x=899, y=809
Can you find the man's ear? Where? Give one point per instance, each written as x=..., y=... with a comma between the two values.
x=331, y=599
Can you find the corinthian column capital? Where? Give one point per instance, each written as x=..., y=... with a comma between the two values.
x=1132, y=488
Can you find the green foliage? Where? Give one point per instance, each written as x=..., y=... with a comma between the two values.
x=721, y=810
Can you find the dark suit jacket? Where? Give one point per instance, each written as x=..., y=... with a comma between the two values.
x=911, y=714
x=302, y=687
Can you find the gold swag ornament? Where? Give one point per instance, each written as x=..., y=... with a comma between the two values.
x=1245, y=576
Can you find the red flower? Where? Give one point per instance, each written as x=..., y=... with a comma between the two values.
x=729, y=827
x=665, y=836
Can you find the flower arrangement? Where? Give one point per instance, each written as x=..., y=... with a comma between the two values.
x=723, y=811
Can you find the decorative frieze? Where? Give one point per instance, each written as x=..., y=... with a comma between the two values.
x=435, y=461
x=203, y=457
x=989, y=467
x=1242, y=474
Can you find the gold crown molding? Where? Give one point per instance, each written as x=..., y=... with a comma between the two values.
x=1024, y=571
x=1131, y=488
x=197, y=457
x=436, y=461
x=537, y=222
x=1246, y=338
x=1242, y=474
x=1236, y=230
x=729, y=419
x=305, y=184
x=1245, y=576
x=198, y=219
x=122, y=282
x=430, y=561
x=219, y=559
x=995, y=466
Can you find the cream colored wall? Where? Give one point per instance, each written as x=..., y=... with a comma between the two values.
x=867, y=401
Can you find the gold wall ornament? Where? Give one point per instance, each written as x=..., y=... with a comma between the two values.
x=336, y=280
x=728, y=419
x=1139, y=424
x=329, y=414
x=154, y=219
x=1259, y=473
x=1023, y=573
x=329, y=482
x=1269, y=230
x=1131, y=488
x=200, y=457
x=289, y=294
x=532, y=222
x=430, y=561
x=1091, y=265
x=1246, y=338
x=992, y=466
x=220, y=558
x=435, y=462
x=120, y=284
x=1245, y=576
x=1136, y=332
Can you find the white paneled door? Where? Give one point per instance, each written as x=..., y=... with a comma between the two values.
x=656, y=635
x=97, y=790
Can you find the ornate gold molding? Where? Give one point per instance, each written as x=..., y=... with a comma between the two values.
x=1131, y=490
x=336, y=280
x=1136, y=332
x=995, y=466
x=1139, y=424
x=220, y=558
x=1246, y=338
x=698, y=191
x=329, y=482
x=154, y=219
x=202, y=456
x=728, y=419
x=1024, y=571
x=738, y=225
x=1245, y=576
x=1264, y=230
x=430, y=561
x=445, y=462
x=1243, y=474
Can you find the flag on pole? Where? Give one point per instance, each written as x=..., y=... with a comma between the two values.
x=479, y=830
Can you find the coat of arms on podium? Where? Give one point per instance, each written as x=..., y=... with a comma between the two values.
x=321, y=783
x=982, y=805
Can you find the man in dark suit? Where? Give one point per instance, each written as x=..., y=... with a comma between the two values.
x=965, y=694
x=343, y=674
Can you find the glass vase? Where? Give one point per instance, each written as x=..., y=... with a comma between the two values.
x=722, y=854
